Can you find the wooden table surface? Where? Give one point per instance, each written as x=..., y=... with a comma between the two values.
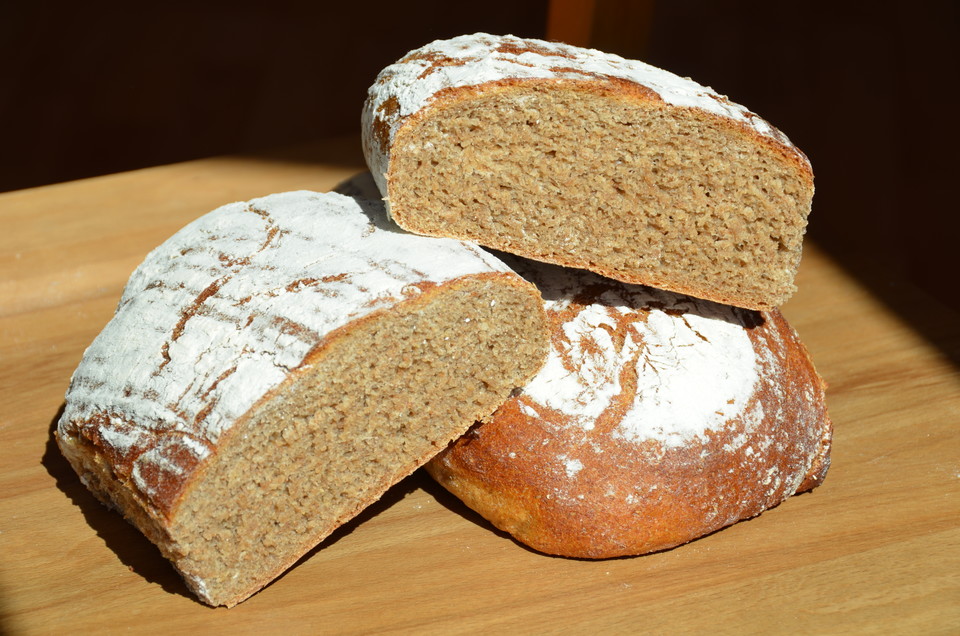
x=875, y=549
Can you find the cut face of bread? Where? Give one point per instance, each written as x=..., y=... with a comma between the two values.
x=276, y=366
x=584, y=159
x=656, y=420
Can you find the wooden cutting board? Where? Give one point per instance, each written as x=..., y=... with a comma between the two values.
x=876, y=548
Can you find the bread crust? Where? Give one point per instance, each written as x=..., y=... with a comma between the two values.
x=583, y=487
x=506, y=61
x=147, y=465
x=409, y=92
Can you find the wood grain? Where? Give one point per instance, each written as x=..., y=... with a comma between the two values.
x=875, y=549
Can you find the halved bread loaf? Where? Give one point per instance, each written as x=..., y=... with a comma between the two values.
x=585, y=159
x=657, y=419
x=276, y=366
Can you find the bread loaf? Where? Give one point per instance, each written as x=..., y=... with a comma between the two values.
x=275, y=366
x=585, y=159
x=657, y=419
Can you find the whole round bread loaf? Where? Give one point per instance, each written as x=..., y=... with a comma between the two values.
x=275, y=366
x=657, y=419
x=585, y=159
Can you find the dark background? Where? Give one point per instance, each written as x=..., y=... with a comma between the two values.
x=865, y=89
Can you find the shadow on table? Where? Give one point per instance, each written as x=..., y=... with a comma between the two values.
x=131, y=547
x=452, y=503
x=931, y=314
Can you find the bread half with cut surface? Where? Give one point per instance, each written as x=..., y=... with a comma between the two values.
x=277, y=365
x=585, y=159
x=657, y=419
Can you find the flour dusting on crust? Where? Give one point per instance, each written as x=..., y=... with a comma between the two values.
x=671, y=366
x=658, y=419
x=220, y=314
x=412, y=83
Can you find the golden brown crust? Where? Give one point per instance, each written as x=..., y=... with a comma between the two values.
x=632, y=498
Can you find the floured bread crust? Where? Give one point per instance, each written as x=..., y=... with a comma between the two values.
x=224, y=327
x=657, y=419
x=585, y=159
x=432, y=72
